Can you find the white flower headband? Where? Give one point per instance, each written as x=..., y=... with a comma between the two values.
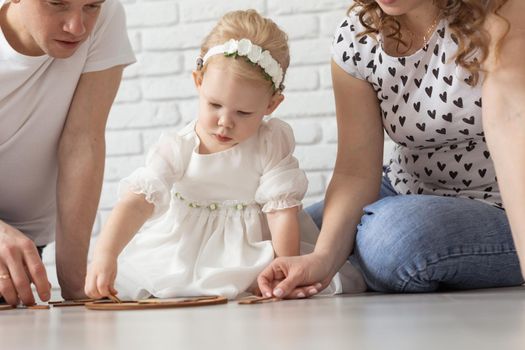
x=253, y=53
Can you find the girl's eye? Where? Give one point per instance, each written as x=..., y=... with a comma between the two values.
x=245, y=114
x=215, y=105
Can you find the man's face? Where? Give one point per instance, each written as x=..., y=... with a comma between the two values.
x=55, y=27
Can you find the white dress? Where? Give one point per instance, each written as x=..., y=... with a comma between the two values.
x=208, y=234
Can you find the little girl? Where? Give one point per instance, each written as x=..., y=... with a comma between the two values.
x=215, y=193
x=222, y=196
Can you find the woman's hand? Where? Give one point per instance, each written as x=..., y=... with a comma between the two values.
x=295, y=276
x=101, y=276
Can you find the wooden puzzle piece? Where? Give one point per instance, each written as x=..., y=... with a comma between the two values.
x=66, y=303
x=257, y=300
x=155, y=303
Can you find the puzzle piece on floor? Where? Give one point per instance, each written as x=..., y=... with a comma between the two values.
x=66, y=303
x=256, y=300
x=4, y=307
x=155, y=303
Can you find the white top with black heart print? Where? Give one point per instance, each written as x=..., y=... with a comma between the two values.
x=428, y=110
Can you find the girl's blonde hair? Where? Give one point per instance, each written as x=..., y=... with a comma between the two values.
x=465, y=20
x=260, y=31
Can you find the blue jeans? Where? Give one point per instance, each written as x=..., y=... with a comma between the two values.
x=422, y=243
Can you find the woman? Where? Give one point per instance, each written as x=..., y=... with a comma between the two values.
x=451, y=96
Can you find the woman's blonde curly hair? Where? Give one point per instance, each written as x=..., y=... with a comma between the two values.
x=465, y=20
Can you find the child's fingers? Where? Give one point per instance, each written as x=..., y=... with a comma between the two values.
x=90, y=285
x=104, y=285
x=113, y=290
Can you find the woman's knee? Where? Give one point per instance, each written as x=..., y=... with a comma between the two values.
x=391, y=237
x=415, y=243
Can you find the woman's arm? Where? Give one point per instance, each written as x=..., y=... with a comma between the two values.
x=504, y=113
x=284, y=227
x=355, y=183
x=357, y=173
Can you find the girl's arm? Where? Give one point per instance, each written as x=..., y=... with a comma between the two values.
x=504, y=114
x=284, y=227
x=128, y=216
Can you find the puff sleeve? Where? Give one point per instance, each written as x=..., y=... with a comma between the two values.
x=347, y=47
x=282, y=185
x=164, y=166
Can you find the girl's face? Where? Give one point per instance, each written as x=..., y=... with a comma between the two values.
x=54, y=27
x=231, y=108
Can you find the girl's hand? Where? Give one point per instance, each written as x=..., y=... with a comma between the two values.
x=295, y=276
x=100, y=277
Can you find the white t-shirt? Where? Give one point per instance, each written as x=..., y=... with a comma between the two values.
x=428, y=110
x=35, y=94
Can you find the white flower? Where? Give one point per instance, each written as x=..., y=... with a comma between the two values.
x=231, y=47
x=255, y=54
x=273, y=69
x=244, y=46
x=277, y=79
x=265, y=60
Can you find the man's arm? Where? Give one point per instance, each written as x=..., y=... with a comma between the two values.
x=81, y=156
x=504, y=114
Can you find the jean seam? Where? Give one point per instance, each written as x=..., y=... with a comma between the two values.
x=411, y=276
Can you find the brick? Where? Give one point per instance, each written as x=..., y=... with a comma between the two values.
x=299, y=26
x=129, y=91
x=184, y=36
x=108, y=197
x=301, y=79
x=316, y=157
x=330, y=130
x=306, y=132
x=123, y=143
x=189, y=110
x=131, y=115
x=118, y=168
x=326, y=76
x=159, y=63
x=316, y=184
x=330, y=21
x=303, y=104
x=156, y=13
x=203, y=10
x=310, y=51
x=161, y=88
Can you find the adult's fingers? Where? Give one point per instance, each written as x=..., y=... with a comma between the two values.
x=13, y=259
x=7, y=289
x=268, y=276
x=37, y=271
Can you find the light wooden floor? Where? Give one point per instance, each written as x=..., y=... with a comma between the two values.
x=484, y=319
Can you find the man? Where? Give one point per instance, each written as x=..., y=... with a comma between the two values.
x=61, y=63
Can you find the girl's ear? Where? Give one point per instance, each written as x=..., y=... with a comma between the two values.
x=275, y=101
x=197, y=78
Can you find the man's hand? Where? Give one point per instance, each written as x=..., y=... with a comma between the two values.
x=20, y=265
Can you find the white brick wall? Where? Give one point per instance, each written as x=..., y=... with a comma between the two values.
x=157, y=92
